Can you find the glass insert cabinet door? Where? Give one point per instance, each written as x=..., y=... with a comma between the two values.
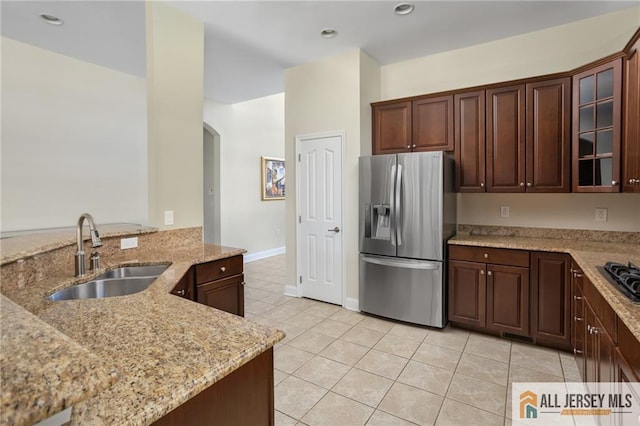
x=597, y=96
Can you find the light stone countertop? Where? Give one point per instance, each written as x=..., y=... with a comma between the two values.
x=67, y=372
x=163, y=349
x=589, y=255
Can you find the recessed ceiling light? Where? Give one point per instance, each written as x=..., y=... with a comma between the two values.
x=328, y=33
x=50, y=19
x=403, y=9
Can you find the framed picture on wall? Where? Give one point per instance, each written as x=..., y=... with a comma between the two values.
x=273, y=176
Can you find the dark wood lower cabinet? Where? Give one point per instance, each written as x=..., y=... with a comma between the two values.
x=244, y=397
x=551, y=299
x=605, y=350
x=508, y=299
x=467, y=293
x=219, y=284
x=226, y=294
x=490, y=297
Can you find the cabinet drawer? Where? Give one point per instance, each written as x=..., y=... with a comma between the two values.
x=601, y=307
x=217, y=269
x=495, y=256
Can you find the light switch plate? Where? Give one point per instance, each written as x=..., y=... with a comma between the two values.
x=128, y=243
x=168, y=217
x=601, y=215
x=504, y=211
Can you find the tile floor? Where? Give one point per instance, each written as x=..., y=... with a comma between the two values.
x=338, y=367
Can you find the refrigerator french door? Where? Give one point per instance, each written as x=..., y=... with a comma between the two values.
x=407, y=212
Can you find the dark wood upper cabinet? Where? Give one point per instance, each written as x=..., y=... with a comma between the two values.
x=631, y=141
x=596, y=128
x=433, y=124
x=392, y=128
x=548, y=152
x=424, y=124
x=469, y=119
x=506, y=139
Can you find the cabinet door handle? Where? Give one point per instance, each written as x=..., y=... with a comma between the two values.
x=482, y=272
x=577, y=351
x=413, y=146
x=486, y=255
x=243, y=283
x=578, y=319
x=489, y=273
x=223, y=268
x=577, y=274
x=521, y=183
x=529, y=184
x=594, y=330
x=408, y=146
x=481, y=184
x=180, y=292
x=614, y=182
x=578, y=297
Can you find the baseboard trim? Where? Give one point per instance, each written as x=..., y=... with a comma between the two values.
x=251, y=257
x=291, y=290
x=352, y=304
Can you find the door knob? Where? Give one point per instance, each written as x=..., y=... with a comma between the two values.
x=336, y=230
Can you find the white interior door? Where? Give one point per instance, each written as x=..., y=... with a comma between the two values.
x=319, y=208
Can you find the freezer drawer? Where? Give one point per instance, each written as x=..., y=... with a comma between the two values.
x=403, y=289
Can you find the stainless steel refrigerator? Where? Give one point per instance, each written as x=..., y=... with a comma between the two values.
x=407, y=213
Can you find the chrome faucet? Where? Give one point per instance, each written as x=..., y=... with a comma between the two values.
x=95, y=242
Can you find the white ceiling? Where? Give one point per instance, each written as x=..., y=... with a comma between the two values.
x=249, y=44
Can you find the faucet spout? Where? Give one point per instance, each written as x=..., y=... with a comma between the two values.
x=95, y=242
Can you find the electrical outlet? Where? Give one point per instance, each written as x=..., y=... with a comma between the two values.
x=128, y=243
x=504, y=211
x=168, y=217
x=601, y=215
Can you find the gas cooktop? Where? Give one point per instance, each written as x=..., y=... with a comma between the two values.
x=626, y=277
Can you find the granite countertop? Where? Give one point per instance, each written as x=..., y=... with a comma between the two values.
x=67, y=372
x=589, y=255
x=19, y=244
x=163, y=349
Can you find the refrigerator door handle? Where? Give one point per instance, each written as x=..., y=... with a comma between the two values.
x=392, y=179
x=401, y=263
x=398, y=204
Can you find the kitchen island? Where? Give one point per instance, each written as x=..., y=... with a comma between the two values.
x=152, y=351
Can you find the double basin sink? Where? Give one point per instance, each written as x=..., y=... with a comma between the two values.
x=115, y=282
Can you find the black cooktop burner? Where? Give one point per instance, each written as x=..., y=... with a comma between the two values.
x=626, y=277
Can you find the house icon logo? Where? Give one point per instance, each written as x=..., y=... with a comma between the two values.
x=528, y=405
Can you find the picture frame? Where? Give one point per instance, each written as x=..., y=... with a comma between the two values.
x=273, y=178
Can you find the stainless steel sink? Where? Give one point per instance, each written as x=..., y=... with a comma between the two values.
x=134, y=271
x=116, y=282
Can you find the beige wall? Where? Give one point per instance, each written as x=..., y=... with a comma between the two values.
x=74, y=140
x=555, y=49
x=322, y=97
x=249, y=130
x=565, y=211
x=175, y=67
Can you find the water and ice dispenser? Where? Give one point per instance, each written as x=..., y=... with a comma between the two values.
x=378, y=221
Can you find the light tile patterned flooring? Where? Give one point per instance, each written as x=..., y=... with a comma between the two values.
x=338, y=367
